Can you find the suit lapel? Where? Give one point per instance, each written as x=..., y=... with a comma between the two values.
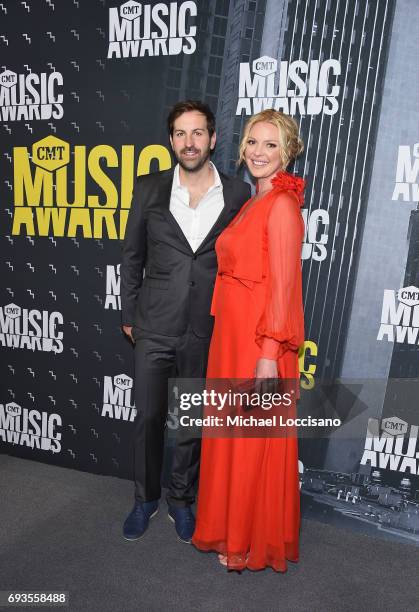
x=225, y=215
x=165, y=190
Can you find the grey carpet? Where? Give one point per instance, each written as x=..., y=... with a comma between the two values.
x=61, y=529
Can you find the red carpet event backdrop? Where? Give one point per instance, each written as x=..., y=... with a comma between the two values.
x=85, y=88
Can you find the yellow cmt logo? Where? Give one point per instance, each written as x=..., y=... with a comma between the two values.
x=86, y=194
x=51, y=153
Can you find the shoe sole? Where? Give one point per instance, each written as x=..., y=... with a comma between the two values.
x=178, y=537
x=140, y=536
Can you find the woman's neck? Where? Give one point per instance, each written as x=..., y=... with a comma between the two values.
x=264, y=184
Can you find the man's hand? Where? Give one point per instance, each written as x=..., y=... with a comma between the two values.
x=128, y=331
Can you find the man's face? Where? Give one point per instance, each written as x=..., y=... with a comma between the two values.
x=191, y=142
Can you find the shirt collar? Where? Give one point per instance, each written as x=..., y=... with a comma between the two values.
x=176, y=179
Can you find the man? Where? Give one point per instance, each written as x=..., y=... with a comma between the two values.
x=167, y=277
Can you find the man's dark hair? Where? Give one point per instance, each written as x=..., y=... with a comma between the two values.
x=191, y=105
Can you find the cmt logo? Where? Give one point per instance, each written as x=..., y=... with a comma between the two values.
x=394, y=448
x=139, y=30
x=122, y=382
x=30, y=97
x=117, y=400
x=130, y=10
x=409, y=296
x=8, y=79
x=51, y=153
x=298, y=87
x=13, y=409
x=400, y=316
x=31, y=329
x=265, y=66
x=407, y=172
x=394, y=426
x=65, y=191
x=32, y=428
x=12, y=311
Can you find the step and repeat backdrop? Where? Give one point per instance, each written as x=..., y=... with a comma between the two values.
x=85, y=88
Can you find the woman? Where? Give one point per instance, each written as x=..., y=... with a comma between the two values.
x=248, y=506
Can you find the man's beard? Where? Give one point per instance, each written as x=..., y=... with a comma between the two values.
x=196, y=164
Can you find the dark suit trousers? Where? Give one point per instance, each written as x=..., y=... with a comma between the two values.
x=158, y=358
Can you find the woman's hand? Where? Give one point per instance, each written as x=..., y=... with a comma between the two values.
x=266, y=368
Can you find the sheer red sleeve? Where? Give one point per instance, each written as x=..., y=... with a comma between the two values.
x=281, y=326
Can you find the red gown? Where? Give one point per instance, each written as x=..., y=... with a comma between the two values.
x=248, y=502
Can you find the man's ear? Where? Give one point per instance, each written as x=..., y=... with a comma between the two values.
x=213, y=141
x=171, y=141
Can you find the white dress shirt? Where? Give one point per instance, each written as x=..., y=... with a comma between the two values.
x=196, y=223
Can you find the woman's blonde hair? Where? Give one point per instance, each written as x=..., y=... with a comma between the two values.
x=291, y=144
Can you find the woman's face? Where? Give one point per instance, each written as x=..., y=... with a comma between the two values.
x=262, y=153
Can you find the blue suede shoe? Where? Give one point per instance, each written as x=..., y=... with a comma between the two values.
x=137, y=520
x=184, y=522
